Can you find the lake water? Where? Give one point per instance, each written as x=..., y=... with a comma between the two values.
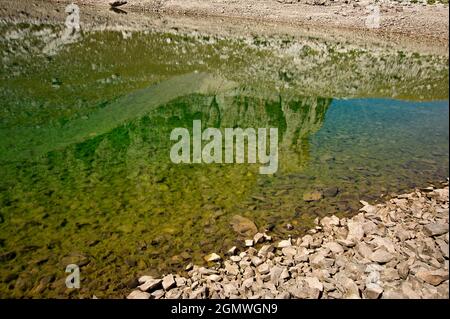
x=86, y=175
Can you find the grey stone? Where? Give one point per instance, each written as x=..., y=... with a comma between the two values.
x=263, y=269
x=212, y=257
x=334, y=247
x=150, y=284
x=381, y=256
x=314, y=283
x=284, y=243
x=137, y=294
x=433, y=277
x=355, y=231
x=435, y=229
x=373, y=291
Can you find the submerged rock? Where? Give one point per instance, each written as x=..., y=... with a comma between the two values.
x=312, y=196
x=137, y=294
x=243, y=226
x=433, y=277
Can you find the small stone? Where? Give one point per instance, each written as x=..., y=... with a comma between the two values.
x=351, y=289
x=137, y=294
x=150, y=284
x=206, y=271
x=256, y=261
x=373, y=277
x=381, y=256
x=312, y=196
x=433, y=277
x=334, y=247
x=409, y=291
x=364, y=250
x=346, y=243
x=168, y=282
x=247, y=283
x=232, y=251
x=263, y=269
x=243, y=226
x=144, y=279
x=285, y=274
x=275, y=274
x=289, y=227
x=403, y=269
x=306, y=241
x=330, y=192
x=236, y=259
x=231, y=269
x=427, y=189
x=258, y=238
x=249, y=242
x=265, y=250
x=314, y=283
x=443, y=246
x=369, y=209
x=373, y=291
x=329, y=222
x=180, y=281
x=248, y=272
x=189, y=267
x=158, y=294
x=289, y=251
x=284, y=243
x=355, y=231
x=214, y=277
x=435, y=229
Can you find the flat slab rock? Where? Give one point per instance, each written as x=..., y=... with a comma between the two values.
x=435, y=229
x=137, y=294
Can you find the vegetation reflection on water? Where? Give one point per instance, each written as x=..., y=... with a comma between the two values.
x=86, y=176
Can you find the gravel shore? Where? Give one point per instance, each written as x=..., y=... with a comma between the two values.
x=394, y=250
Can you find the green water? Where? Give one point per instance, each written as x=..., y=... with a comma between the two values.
x=86, y=176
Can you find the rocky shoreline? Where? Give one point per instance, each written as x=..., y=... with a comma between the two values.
x=398, y=249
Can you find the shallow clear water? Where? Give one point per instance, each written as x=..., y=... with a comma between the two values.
x=86, y=176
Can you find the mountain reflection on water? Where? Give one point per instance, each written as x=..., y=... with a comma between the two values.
x=86, y=175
